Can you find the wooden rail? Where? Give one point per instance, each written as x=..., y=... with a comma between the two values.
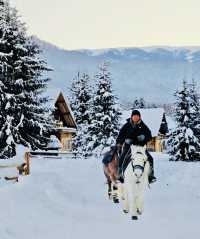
x=22, y=168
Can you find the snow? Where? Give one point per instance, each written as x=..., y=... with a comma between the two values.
x=170, y=122
x=149, y=49
x=67, y=199
x=54, y=142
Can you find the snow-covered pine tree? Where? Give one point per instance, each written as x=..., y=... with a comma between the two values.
x=105, y=111
x=22, y=111
x=195, y=111
x=142, y=103
x=136, y=104
x=80, y=100
x=183, y=144
x=139, y=103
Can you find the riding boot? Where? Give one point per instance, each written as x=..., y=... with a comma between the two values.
x=152, y=178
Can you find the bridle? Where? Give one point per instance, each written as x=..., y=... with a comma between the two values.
x=138, y=166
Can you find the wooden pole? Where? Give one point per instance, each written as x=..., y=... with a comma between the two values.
x=27, y=161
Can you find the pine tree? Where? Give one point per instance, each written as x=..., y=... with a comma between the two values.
x=81, y=102
x=163, y=127
x=22, y=110
x=183, y=144
x=105, y=111
x=195, y=109
x=80, y=98
x=136, y=104
x=142, y=103
x=139, y=103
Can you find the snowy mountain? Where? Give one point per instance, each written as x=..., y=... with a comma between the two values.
x=150, y=72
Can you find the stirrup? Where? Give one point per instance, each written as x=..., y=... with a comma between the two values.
x=152, y=179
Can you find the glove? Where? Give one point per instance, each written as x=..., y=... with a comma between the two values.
x=128, y=141
x=140, y=138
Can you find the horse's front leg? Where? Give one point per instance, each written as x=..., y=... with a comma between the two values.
x=121, y=191
x=115, y=192
x=140, y=204
x=133, y=204
x=142, y=188
x=124, y=198
x=131, y=189
x=109, y=189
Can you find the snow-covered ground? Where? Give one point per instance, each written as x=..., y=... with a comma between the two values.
x=67, y=199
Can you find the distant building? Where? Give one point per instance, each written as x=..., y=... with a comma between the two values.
x=65, y=126
x=65, y=122
x=155, y=119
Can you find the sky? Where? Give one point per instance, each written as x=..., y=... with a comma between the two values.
x=96, y=24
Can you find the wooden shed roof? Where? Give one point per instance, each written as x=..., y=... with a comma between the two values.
x=62, y=103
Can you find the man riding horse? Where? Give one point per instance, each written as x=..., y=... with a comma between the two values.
x=133, y=132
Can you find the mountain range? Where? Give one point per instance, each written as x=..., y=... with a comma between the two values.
x=153, y=73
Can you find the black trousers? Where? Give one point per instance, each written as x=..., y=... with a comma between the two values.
x=123, y=158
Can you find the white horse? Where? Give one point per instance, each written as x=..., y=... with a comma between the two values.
x=135, y=182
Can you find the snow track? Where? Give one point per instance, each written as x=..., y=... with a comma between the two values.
x=67, y=199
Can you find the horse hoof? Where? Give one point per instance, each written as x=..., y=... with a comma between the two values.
x=115, y=200
x=125, y=211
x=139, y=212
x=134, y=218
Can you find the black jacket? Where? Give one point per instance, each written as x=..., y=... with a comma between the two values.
x=131, y=131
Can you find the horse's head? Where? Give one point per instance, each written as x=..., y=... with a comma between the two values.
x=139, y=159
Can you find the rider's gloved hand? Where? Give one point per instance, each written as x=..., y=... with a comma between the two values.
x=141, y=138
x=128, y=141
